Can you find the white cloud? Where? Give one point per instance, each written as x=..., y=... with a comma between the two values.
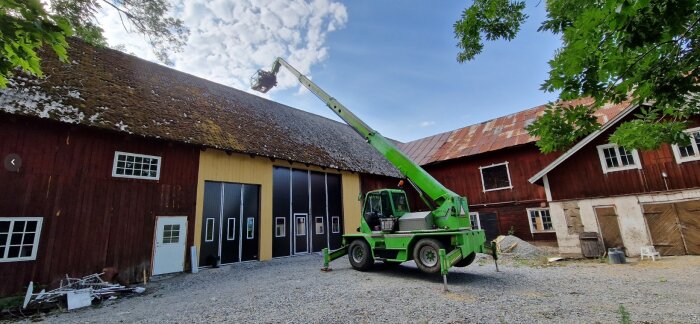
x=230, y=40
x=427, y=123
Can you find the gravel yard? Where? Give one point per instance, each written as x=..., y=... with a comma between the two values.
x=294, y=290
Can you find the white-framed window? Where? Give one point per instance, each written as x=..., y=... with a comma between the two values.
x=209, y=230
x=19, y=238
x=690, y=152
x=171, y=233
x=301, y=225
x=231, y=229
x=474, y=218
x=319, y=225
x=540, y=220
x=136, y=166
x=617, y=158
x=280, y=227
x=250, y=228
x=335, y=224
x=495, y=177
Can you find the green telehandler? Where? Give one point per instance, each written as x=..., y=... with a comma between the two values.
x=389, y=232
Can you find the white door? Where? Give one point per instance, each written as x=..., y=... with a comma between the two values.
x=171, y=236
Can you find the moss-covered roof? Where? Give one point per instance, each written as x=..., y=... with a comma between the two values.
x=111, y=90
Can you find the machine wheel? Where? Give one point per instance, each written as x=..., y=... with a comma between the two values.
x=426, y=255
x=466, y=261
x=360, y=255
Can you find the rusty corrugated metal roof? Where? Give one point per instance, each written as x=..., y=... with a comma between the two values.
x=492, y=135
x=111, y=90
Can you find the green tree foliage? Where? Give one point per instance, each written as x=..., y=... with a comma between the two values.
x=26, y=26
x=644, y=51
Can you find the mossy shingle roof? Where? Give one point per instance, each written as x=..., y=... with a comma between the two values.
x=111, y=90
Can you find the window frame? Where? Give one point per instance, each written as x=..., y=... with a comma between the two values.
x=35, y=244
x=483, y=184
x=116, y=157
x=250, y=228
x=323, y=225
x=297, y=217
x=284, y=226
x=539, y=214
x=206, y=229
x=333, y=219
x=601, y=157
x=230, y=230
x=476, y=217
x=677, y=150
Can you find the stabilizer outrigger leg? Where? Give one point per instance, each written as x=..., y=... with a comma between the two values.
x=329, y=256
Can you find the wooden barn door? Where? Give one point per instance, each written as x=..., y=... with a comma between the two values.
x=609, y=227
x=662, y=220
x=689, y=219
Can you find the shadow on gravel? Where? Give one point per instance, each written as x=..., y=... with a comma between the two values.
x=453, y=278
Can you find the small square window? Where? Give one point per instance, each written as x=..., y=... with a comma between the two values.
x=540, y=220
x=138, y=166
x=690, y=152
x=617, y=158
x=19, y=238
x=474, y=218
x=495, y=177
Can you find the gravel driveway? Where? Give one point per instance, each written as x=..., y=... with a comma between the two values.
x=294, y=290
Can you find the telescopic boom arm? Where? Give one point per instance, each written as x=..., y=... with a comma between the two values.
x=442, y=197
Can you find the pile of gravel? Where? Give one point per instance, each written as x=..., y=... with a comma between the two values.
x=522, y=249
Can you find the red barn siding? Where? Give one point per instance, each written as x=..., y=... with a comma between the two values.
x=91, y=220
x=566, y=181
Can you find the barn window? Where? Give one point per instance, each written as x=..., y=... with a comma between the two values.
x=540, y=220
x=171, y=233
x=335, y=224
x=19, y=238
x=280, y=227
x=617, y=158
x=689, y=152
x=231, y=229
x=319, y=225
x=495, y=177
x=250, y=228
x=474, y=218
x=209, y=230
x=137, y=166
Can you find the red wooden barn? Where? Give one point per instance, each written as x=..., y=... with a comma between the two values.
x=490, y=163
x=631, y=198
x=111, y=159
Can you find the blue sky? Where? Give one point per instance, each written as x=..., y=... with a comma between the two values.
x=394, y=66
x=391, y=62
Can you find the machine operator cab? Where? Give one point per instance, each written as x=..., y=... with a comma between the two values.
x=384, y=203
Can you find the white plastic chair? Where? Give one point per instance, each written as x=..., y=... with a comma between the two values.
x=649, y=251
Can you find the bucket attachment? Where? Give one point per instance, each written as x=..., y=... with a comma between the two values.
x=263, y=81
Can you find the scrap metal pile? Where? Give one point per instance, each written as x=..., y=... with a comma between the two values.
x=77, y=292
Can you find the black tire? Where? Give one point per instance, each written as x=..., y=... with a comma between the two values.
x=360, y=255
x=466, y=261
x=426, y=255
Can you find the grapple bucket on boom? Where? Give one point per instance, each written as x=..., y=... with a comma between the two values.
x=263, y=81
